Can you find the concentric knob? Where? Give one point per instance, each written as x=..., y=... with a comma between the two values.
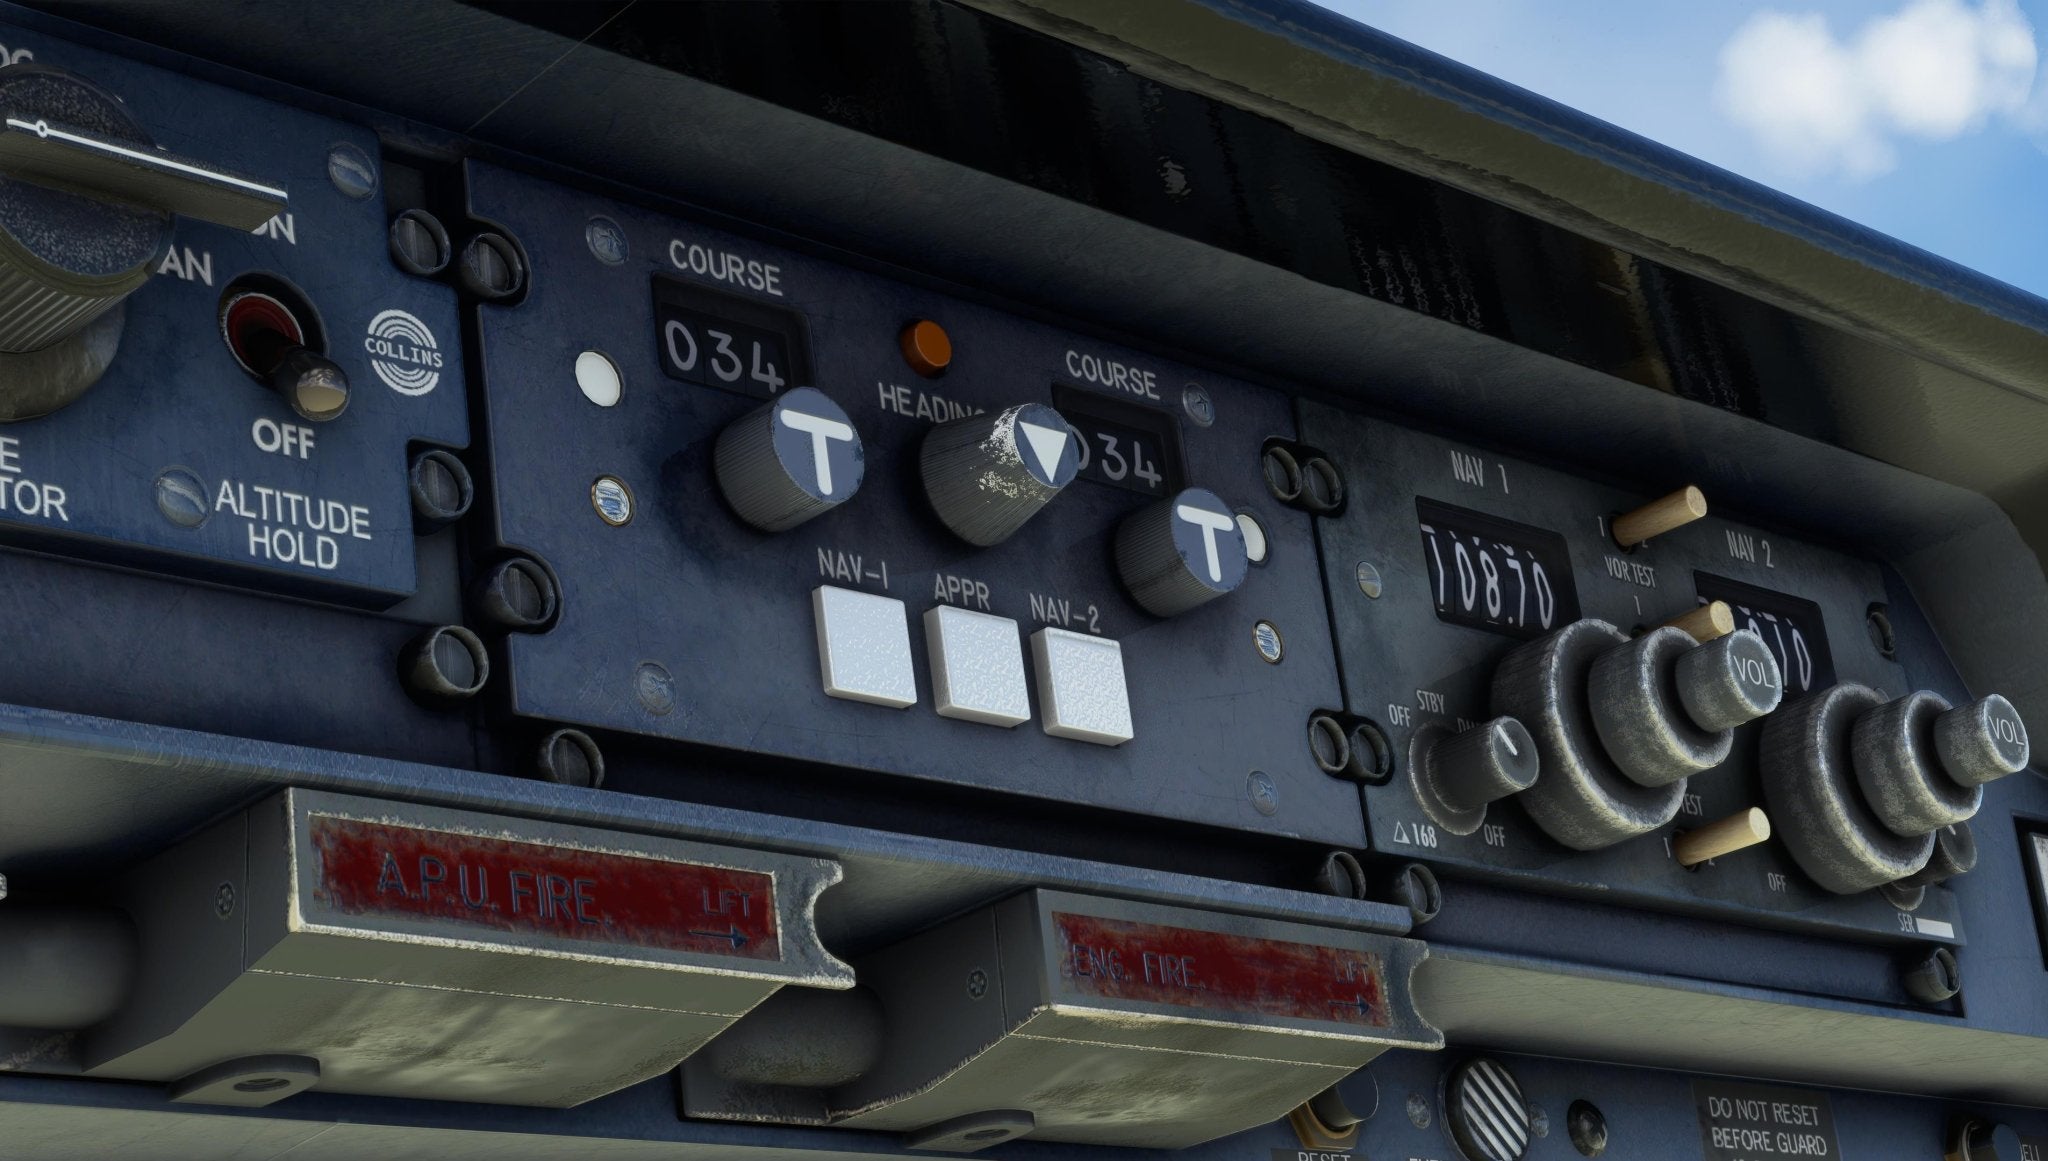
x=1583, y=798
x=1455, y=775
x=1645, y=729
x=987, y=475
x=793, y=458
x=1982, y=742
x=1182, y=552
x=1729, y=681
x=86, y=207
x=1815, y=796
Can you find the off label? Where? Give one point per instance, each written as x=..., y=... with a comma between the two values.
x=1753, y=1122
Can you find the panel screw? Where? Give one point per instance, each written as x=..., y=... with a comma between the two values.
x=1265, y=796
x=224, y=900
x=1199, y=407
x=656, y=687
x=1415, y=888
x=1588, y=1128
x=613, y=501
x=349, y=168
x=1935, y=977
x=570, y=758
x=491, y=268
x=1418, y=1110
x=517, y=595
x=977, y=983
x=419, y=243
x=1369, y=579
x=3, y=886
x=1266, y=636
x=1882, y=638
x=181, y=498
x=444, y=667
x=442, y=490
x=606, y=240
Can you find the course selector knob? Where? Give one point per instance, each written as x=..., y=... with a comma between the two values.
x=1181, y=552
x=790, y=459
x=987, y=475
x=86, y=207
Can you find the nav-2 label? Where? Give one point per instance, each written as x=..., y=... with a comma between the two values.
x=376, y=868
x=1754, y=1122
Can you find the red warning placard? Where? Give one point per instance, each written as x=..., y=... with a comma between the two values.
x=1121, y=960
x=375, y=868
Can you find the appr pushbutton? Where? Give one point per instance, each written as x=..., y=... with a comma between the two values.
x=977, y=666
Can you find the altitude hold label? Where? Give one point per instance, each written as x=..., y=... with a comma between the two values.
x=1754, y=1122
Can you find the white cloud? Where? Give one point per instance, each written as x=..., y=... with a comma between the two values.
x=1933, y=70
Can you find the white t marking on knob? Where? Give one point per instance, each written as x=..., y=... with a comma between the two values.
x=1210, y=523
x=822, y=430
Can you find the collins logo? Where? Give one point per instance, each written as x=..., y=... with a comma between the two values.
x=404, y=353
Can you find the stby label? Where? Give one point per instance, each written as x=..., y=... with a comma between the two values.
x=1754, y=1122
x=1114, y=959
x=373, y=868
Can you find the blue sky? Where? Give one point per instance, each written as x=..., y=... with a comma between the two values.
x=1924, y=119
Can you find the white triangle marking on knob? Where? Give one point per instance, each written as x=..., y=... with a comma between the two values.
x=1048, y=444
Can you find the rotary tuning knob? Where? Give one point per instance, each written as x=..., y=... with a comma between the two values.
x=795, y=457
x=87, y=202
x=1657, y=738
x=985, y=476
x=1456, y=774
x=1660, y=709
x=1863, y=786
x=1182, y=552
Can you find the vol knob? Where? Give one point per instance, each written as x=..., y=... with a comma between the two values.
x=790, y=459
x=986, y=476
x=1182, y=552
x=1455, y=775
x=1982, y=742
x=1729, y=681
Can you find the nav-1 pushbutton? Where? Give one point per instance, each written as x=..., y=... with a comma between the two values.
x=977, y=666
x=1081, y=690
x=793, y=458
x=1181, y=553
x=864, y=647
x=986, y=475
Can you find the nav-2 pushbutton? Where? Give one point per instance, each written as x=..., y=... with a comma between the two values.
x=987, y=475
x=1182, y=552
x=790, y=459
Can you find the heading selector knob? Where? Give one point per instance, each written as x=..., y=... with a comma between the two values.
x=987, y=475
x=86, y=207
x=1182, y=552
x=794, y=457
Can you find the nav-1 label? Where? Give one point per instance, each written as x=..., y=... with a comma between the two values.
x=374, y=868
x=1114, y=959
x=1754, y=1122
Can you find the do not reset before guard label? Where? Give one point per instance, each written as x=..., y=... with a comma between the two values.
x=1754, y=1122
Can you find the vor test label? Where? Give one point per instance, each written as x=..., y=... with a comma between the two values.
x=1754, y=1122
